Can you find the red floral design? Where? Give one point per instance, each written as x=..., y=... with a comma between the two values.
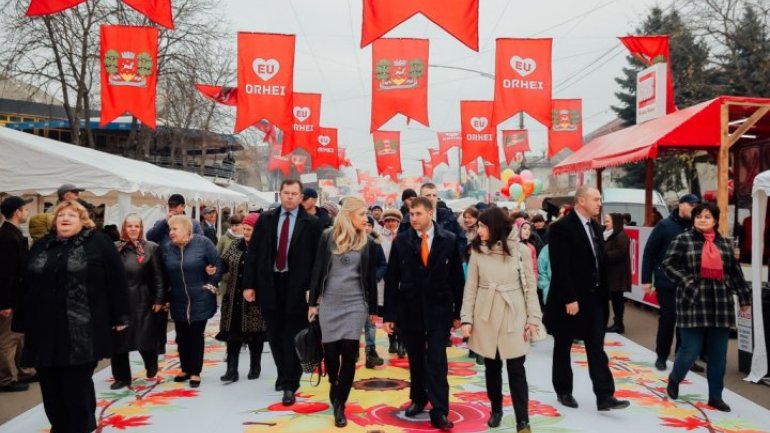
x=303, y=407
x=468, y=418
x=537, y=408
x=121, y=423
x=689, y=423
x=461, y=369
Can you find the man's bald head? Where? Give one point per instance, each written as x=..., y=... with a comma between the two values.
x=588, y=201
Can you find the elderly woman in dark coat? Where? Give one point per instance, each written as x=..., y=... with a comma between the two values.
x=241, y=321
x=76, y=296
x=617, y=253
x=707, y=276
x=193, y=269
x=146, y=296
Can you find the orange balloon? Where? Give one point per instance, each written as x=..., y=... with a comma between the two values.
x=529, y=187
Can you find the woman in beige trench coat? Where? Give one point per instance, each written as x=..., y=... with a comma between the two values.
x=501, y=311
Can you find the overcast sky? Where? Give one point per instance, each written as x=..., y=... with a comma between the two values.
x=586, y=58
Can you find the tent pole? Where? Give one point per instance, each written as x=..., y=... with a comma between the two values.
x=649, y=185
x=599, y=172
x=723, y=162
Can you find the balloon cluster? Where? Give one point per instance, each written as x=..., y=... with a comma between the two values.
x=518, y=187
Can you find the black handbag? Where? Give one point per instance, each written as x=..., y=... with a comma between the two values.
x=307, y=343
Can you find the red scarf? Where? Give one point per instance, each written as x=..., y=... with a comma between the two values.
x=711, y=258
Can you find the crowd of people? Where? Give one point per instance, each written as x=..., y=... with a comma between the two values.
x=502, y=278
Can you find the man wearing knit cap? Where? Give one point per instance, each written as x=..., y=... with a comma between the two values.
x=406, y=199
x=309, y=201
x=391, y=219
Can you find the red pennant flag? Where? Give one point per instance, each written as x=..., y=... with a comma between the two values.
x=363, y=177
x=299, y=162
x=514, y=141
x=326, y=151
x=427, y=169
x=399, y=80
x=492, y=168
x=157, y=11
x=278, y=161
x=344, y=161
x=306, y=116
x=473, y=167
x=448, y=140
x=270, y=133
x=460, y=18
x=265, y=81
x=129, y=58
x=567, y=129
x=221, y=94
x=479, y=137
x=48, y=7
x=387, y=151
x=523, y=79
x=650, y=50
x=437, y=157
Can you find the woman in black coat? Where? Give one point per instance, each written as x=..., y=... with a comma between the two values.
x=76, y=296
x=146, y=296
x=618, y=255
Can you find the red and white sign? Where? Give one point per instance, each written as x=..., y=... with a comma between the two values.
x=651, y=92
x=638, y=237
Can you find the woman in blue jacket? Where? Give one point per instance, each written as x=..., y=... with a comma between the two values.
x=193, y=269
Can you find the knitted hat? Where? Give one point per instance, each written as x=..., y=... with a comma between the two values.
x=251, y=219
x=392, y=214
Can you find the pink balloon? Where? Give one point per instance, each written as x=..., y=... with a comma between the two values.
x=527, y=175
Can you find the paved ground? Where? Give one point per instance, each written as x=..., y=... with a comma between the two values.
x=641, y=326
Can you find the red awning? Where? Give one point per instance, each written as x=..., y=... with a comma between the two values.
x=693, y=128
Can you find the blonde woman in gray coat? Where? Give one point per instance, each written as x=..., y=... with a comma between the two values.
x=501, y=312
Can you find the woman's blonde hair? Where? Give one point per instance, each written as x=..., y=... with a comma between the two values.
x=345, y=235
x=184, y=221
x=85, y=219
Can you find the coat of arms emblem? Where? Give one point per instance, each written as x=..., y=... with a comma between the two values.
x=127, y=68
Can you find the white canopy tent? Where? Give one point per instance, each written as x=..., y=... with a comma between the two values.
x=759, y=193
x=256, y=197
x=33, y=164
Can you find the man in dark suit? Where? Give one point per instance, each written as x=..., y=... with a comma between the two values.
x=277, y=275
x=209, y=224
x=577, y=305
x=423, y=296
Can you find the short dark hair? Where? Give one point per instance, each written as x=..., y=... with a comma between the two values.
x=499, y=226
x=707, y=206
x=289, y=182
x=421, y=201
x=538, y=218
x=617, y=222
x=428, y=185
x=236, y=218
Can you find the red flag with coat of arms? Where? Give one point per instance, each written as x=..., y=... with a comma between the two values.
x=566, y=132
x=650, y=50
x=448, y=140
x=129, y=73
x=523, y=79
x=399, y=80
x=306, y=116
x=326, y=151
x=387, y=151
x=514, y=141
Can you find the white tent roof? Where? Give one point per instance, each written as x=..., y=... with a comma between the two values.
x=40, y=165
x=256, y=197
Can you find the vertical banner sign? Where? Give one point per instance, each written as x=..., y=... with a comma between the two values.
x=427, y=169
x=129, y=72
x=278, y=161
x=299, y=161
x=306, y=116
x=566, y=131
x=448, y=140
x=399, y=80
x=651, y=50
x=387, y=150
x=523, y=79
x=326, y=151
x=265, y=81
x=514, y=141
x=437, y=157
x=479, y=137
x=220, y=94
x=460, y=18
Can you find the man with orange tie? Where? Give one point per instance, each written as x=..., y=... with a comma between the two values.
x=423, y=295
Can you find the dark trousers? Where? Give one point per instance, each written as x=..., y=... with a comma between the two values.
x=693, y=341
x=517, y=381
x=598, y=363
x=189, y=342
x=666, y=324
x=428, y=368
x=69, y=398
x=618, y=301
x=340, y=361
x=281, y=329
x=121, y=369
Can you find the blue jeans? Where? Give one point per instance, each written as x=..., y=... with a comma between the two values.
x=692, y=340
x=369, y=330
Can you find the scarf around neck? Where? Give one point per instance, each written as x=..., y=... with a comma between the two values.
x=711, y=258
x=138, y=247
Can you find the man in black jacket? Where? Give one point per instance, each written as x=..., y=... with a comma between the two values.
x=657, y=244
x=209, y=224
x=443, y=217
x=577, y=306
x=423, y=296
x=13, y=250
x=277, y=277
x=309, y=201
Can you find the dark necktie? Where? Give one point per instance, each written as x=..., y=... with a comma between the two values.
x=283, y=243
x=594, y=244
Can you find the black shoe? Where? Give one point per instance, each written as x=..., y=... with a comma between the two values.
x=479, y=360
x=278, y=387
x=392, y=347
x=672, y=389
x=617, y=328
x=372, y=359
x=231, y=374
x=254, y=372
x=339, y=415
x=119, y=384
x=719, y=404
x=31, y=379
x=152, y=372
x=182, y=378
x=414, y=409
x=441, y=422
x=195, y=383
x=660, y=364
x=697, y=368
x=568, y=400
x=612, y=403
x=288, y=398
x=523, y=427
x=14, y=387
x=494, y=419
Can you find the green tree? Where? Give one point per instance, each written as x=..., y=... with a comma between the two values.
x=744, y=66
